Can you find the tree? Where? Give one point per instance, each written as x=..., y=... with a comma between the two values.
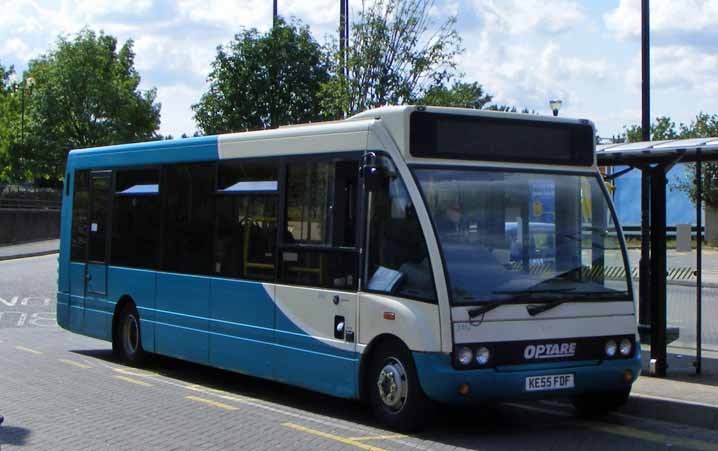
x=395, y=56
x=663, y=128
x=8, y=119
x=263, y=81
x=85, y=94
x=460, y=95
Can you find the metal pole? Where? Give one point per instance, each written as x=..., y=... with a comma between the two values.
x=699, y=260
x=342, y=30
x=22, y=114
x=274, y=14
x=646, y=72
x=658, y=270
x=644, y=273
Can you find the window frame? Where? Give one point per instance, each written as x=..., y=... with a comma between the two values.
x=366, y=240
x=282, y=246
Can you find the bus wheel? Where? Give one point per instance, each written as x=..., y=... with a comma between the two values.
x=129, y=338
x=591, y=405
x=395, y=395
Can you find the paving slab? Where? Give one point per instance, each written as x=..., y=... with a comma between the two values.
x=31, y=249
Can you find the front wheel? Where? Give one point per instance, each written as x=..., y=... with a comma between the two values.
x=129, y=338
x=597, y=404
x=396, y=397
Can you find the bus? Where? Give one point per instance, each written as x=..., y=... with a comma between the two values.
x=405, y=256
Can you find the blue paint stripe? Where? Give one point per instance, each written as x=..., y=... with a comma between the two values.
x=275, y=345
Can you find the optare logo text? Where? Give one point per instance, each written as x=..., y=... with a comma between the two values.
x=550, y=351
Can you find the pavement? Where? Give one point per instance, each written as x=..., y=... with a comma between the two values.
x=33, y=249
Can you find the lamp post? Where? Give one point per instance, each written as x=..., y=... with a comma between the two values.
x=25, y=84
x=555, y=105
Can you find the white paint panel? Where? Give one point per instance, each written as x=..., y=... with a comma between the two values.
x=291, y=141
x=575, y=309
x=544, y=329
x=312, y=310
x=416, y=323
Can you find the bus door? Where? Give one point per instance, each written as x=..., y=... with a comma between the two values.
x=316, y=298
x=96, y=269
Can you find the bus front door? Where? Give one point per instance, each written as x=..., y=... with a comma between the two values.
x=96, y=321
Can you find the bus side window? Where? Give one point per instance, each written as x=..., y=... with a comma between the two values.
x=80, y=216
x=246, y=219
x=398, y=258
x=136, y=218
x=321, y=213
x=188, y=229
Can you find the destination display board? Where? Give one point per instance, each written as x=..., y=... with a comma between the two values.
x=438, y=135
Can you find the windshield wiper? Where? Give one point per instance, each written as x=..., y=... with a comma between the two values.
x=534, y=310
x=518, y=294
x=474, y=312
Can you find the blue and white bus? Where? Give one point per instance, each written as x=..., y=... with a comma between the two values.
x=404, y=256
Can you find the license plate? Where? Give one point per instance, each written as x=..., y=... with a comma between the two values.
x=553, y=382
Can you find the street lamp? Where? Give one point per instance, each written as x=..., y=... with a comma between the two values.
x=25, y=84
x=555, y=106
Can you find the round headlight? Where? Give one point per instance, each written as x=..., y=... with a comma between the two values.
x=482, y=356
x=464, y=355
x=625, y=347
x=610, y=348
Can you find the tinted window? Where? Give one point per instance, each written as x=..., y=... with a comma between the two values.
x=321, y=212
x=321, y=203
x=246, y=211
x=398, y=257
x=99, y=209
x=80, y=216
x=136, y=219
x=188, y=230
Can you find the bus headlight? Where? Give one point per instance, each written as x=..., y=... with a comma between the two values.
x=625, y=347
x=482, y=355
x=610, y=348
x=464, y=355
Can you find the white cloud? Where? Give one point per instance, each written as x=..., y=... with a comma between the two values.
x=666, y=16
x=530, y=16
x=176, y=113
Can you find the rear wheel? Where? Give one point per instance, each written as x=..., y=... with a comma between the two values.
x=128, y=338
x=395, y=395
x=597, y=404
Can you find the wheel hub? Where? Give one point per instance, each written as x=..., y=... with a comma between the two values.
x=392, y=385
x=132, y=335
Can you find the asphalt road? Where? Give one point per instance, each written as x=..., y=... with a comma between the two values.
x=63, y=391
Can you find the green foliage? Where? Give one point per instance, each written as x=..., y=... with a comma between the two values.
x=703, y=126
x=460, y=95
x=263, y=81
x=85, y=94
x=9, y=120
x=395, y=56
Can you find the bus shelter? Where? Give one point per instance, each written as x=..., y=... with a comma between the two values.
x=654, y=159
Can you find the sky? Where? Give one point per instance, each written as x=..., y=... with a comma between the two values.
x=524, y=52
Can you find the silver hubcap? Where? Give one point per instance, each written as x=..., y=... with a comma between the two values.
x=393, y=385
x=132, y=334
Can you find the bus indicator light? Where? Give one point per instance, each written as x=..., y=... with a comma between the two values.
x=464, y=389
x=391, y=316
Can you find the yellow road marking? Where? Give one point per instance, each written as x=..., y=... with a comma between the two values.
x=134, y=373
x=32, y=351
x=133, y=381
x=73, y=363
x=630, y=432
x=336, y=438
x=212, y=403
x=378, y=437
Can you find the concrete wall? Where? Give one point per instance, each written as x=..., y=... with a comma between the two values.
x=21, y=225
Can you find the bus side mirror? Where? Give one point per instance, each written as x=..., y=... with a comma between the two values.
x=376, y=176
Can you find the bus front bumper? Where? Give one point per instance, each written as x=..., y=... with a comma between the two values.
x=443, y=383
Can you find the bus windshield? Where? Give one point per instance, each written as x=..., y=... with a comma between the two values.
x=524, y=236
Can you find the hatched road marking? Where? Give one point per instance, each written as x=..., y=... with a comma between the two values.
x=73, y=363
x=31, y=351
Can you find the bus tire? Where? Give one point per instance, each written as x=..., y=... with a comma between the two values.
x=597, y=404
x=395, y=396
x=129, y=339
